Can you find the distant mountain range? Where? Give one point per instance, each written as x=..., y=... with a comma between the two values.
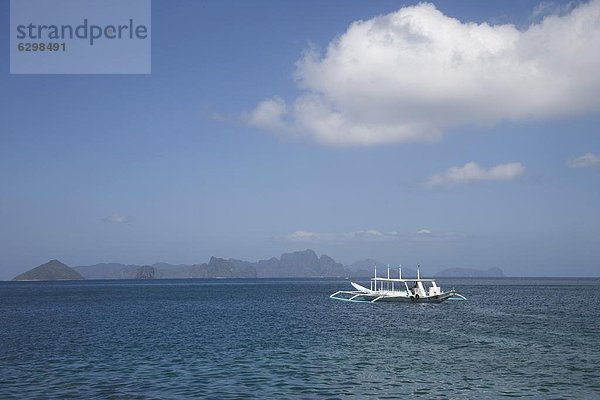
x=216, y=268
x=299, y=264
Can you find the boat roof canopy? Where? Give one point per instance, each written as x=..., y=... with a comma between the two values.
x=402, y=280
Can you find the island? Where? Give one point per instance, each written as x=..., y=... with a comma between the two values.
x=53, y=270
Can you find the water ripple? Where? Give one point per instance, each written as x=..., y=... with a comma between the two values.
x=278, y=339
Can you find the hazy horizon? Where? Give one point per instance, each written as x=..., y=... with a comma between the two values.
x=427, y=271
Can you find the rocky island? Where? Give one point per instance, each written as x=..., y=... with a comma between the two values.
x=53, y=270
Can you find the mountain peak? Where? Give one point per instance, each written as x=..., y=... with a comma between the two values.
x=51, y=271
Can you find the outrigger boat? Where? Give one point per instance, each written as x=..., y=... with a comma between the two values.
x=398, y=290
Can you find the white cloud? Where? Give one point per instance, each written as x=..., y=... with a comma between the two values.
x=427, y=235
x=119, y=219
x=217, y=116
x=306, y=236
x=586, y=160
x=472, y=172
x=546, y=8
x=369, y=235
x=268, y=115
x=409, y=75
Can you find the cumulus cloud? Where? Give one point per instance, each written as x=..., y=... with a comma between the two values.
x=472, y=172
x=268, y=115
x=409, y=75
x=434, y=236
x=307, y=236
x=584, y=161
x=546, y=8
x=119, y=219
x=369, y=235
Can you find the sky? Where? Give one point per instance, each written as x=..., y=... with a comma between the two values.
x=450, y=134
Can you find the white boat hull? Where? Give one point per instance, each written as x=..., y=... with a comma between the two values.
x=363, y=294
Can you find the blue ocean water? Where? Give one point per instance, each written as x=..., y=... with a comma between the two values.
x=530, y=338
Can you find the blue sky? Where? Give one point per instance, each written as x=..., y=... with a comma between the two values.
x=183, y=163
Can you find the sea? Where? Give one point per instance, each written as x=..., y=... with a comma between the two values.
x=286, y=339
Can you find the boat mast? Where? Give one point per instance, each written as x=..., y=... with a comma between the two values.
x=375, y=279
x=388, y=282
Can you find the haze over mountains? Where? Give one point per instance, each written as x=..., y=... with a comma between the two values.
x=470, y=273
x=299, y=264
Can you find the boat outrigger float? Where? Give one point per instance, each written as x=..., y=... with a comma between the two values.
x=398, y=290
